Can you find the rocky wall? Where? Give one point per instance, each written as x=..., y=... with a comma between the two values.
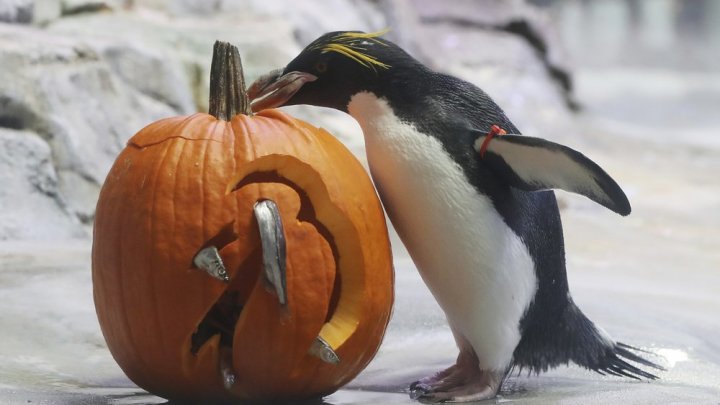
x=78, y=78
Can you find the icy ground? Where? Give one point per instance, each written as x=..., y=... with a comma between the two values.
x=651, y=279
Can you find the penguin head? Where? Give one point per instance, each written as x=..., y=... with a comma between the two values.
x=330, y=70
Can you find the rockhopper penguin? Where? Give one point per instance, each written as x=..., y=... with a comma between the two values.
x=476, y=212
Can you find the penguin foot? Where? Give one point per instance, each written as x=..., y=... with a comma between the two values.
x=457, y=384
x=427, y=385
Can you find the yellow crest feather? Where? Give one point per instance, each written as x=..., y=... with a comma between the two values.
x=352, y=45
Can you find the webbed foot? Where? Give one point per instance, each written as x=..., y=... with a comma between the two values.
x=457, y=384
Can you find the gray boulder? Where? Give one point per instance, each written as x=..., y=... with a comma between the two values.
x=90, y=74
x=507, y=48
x=180, y=46
x=61, y=89
x=16, y=11
x=32, y=207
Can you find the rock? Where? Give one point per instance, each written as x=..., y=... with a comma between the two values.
x=91, y=73
x=404, y=22
x=61, y=89
x=38, y=12
x=339, y=124
x=32, y=207
x=506, y=48
x=16, y=11
x=85, y=91
x=45, y=11
x=71, y=7
x=185, y=7
x=148, y=71
x=310, y=19
x=264, y=42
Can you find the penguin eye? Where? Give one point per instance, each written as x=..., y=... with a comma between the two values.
x=321, y=67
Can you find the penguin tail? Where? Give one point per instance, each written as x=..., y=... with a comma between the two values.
x=615, y=362
x=572, y=337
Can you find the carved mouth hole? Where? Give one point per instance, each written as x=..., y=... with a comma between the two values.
x=222, y=317
x=224, y=314
x=306, y=214
x=220, y=320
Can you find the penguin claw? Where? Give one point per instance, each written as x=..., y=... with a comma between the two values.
x=457, y=384
x=419, y=390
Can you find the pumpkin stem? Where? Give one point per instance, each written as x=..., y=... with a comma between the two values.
x=228, y=96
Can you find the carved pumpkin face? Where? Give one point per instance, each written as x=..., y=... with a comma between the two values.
x=186, y=183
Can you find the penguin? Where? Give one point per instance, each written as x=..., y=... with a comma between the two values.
x=471, y=199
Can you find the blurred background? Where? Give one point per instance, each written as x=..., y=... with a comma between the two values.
x=633, y=84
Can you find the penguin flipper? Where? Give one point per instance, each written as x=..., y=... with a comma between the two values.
x=534, y=164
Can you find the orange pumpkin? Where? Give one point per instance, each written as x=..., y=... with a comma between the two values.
x=186, y=183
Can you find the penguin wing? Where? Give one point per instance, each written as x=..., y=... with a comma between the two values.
x=534, y=164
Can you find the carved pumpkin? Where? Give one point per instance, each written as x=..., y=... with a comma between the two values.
x=187, y=183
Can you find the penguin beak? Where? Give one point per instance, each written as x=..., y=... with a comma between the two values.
x=275, y=88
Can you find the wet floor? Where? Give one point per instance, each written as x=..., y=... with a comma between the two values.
x=625, y=276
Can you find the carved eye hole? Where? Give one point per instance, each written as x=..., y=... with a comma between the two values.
x=321, y=67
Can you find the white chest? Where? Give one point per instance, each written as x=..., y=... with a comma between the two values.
x=476, y=267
